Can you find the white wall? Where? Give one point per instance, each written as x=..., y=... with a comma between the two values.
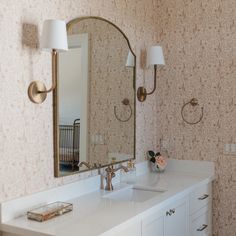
x=70, y=79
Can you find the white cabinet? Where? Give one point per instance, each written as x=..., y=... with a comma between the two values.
x=172, y=220
x=176, y=218
x=201, y=211
x=132, y=228
x=187, y=216
x=153, y=224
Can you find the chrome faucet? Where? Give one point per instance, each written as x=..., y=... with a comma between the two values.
x=85, y=164
x=110, y=174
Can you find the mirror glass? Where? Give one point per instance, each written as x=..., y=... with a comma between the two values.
x=94, y=103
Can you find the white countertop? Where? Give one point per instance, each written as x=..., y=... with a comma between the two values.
x=94, y=215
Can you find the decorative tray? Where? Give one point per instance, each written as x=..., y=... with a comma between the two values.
x=49, y=211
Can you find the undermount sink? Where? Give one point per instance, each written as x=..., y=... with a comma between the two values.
x=134, y=194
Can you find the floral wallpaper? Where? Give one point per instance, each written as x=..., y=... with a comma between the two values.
x=198, y=39
x=110, y=81
x=26, y=130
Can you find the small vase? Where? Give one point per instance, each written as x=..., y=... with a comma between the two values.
x=155, y=169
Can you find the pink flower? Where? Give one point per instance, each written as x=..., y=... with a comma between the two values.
x=161, y=162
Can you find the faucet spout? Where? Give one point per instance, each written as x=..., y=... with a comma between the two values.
x=85, y=164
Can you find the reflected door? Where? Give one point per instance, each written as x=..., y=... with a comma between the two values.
x=72, y=98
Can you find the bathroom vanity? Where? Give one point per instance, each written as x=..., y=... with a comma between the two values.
x=177, y=202
x=94, y=124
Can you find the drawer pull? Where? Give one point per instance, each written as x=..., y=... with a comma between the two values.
x=202, y=228
x=203, y=197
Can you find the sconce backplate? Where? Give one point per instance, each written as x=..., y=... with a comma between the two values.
x=36, y=92
x=141, y=94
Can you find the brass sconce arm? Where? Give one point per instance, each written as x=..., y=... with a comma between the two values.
x=37, y=90
x=54, y=39
x=54, y=72
x=142, y=92
x=155, y=57
x=155, y=80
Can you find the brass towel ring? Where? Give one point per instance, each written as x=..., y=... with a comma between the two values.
x=125, y=102
x=193, y=102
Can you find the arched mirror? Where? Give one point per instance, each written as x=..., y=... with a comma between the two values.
x=94, y=102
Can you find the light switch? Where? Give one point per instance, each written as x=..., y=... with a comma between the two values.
x=233, y=147
x=230, y=149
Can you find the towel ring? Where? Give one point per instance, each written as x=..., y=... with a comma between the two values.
x=193, y=102
x=125, y=102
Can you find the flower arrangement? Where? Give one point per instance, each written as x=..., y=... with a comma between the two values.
x=158, y=162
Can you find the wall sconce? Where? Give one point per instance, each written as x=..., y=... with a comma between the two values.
x=155, y=57
x=130, y=60
x=54, y=39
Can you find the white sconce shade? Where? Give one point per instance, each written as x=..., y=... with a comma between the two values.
x=54, y=35
x=130, y=60
x=155, y=56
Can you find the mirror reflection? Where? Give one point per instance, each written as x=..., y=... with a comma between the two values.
x=95, y=98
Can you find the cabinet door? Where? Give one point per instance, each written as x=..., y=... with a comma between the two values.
x=176, y=218
x=130, y=229
x=153, y=225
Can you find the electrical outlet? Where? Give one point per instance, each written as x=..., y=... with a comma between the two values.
x=97, y=139
x=230, y=149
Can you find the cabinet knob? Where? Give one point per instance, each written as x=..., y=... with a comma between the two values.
x=203, y=197
x=168, y=213
x=172, y=211
x=203, y=227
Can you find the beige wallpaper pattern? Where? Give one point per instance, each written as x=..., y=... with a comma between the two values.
x=26, y=137
x=199, y=40
x=110, y=81
x=199, y=45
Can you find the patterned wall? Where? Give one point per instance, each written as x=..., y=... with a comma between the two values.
x=199, y=40
x=110, y=81
x=26, y=136
x=199, y=45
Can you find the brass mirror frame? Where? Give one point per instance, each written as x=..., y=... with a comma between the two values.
x=56, y=110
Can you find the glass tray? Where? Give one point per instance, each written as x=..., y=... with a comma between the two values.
x=49, y=211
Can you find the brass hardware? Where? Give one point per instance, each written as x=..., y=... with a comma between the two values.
x=125, y=102
x=110, y=174
x=56, y=106
x=193, y=102
x=203, y=197
x=130, y=164
x=37, y=91
x=33, y=92
x=142, y=92
x=85, y=164
x=202, y=227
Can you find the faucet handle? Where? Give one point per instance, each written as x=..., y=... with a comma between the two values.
x=110, y=171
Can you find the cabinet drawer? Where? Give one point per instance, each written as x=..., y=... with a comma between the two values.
x=201, y=222
x=200, y=197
